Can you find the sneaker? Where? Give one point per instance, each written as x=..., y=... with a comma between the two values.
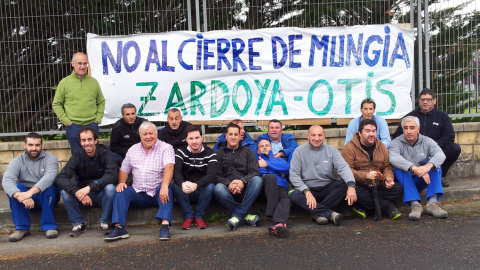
x=416, y=213
x=445, y=183
x=164, y=233
x=187, y=224
x=252, y=220
x=435, y=211
x=200, y=223
x=232, y=223
x=320, y=220
x=279, y=230
x=50, y=234
x=336, y=218
x=393, y=212
x=105, y=228
x=18, y=235
x=360, y=212
x=78, y=229
x=118, y=233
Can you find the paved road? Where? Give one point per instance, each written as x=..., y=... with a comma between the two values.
x=356, y=244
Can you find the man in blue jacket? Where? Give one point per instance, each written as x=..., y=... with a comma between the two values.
x=245, y=138
x=436, y=125
x=283, y=145
x=274, y=173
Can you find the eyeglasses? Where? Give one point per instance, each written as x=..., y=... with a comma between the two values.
x=81, y=64
x=426, y=99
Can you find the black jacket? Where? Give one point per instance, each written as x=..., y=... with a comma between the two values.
x=95, y=172
x=434, y=124
x=125, y=135
x=236, y=164
x=175, y=137
x=198, y=168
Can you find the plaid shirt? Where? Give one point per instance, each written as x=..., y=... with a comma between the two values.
x=147, y=169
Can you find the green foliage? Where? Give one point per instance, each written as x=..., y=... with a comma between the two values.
x=217, y=217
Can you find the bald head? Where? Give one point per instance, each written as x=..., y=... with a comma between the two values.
x=80, y=64
x=316, y=136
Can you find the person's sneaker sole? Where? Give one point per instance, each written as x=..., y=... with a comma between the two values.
x=322, y=221
x=116, y=238
x=396, y=216
x=359, y=213
x=231, y=226
x=164, y=238
x=439, y=217
x=272, y=231
x=413, y=218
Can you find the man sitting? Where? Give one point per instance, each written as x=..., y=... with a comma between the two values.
x=195, y=171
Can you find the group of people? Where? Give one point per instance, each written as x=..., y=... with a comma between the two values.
x=174, y=163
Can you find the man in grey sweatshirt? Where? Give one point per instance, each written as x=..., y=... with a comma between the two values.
x=312, y=174
x=28, y=182
x=417, y=161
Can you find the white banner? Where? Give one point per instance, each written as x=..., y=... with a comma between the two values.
x=274, y=73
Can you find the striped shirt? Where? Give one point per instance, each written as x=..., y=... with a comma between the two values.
x=147, y=169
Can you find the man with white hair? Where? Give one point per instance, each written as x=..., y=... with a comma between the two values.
x=151, y=163
x=417, y=161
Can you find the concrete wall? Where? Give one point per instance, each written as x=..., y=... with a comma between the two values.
x=466, y=134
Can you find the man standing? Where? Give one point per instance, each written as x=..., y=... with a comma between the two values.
x=96, y=172
x=312, y=174
x=436, y=125
x=245, y=138
x=238, y=183
x=28, y=182
x=283, y=145
x=125, y=132
x=195, y=171
x=274, y=176
x=367, y=108
x=78, y=101
x=417, y=161
x=368, y=158
x=174, y=133
x=151, y=163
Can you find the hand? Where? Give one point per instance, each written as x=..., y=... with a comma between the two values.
x=426, y=178
x=279, y=154
x=422, y=170
x=371, y=175
x=311, y=201
x=389, y=182
x=163, y=194
x=87, y=201
x=120, y=187
x=188, y=187
x=22, y=196
x=29, y=203
x=351, y=195
x=239, y=186
x=232, y=187
x=262, y=163
x=82, y=193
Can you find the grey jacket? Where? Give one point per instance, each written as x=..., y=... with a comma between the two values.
x=312, y=168
x=403, y=155
x=40, y=173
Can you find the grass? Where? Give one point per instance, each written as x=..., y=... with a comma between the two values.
x=216, y=217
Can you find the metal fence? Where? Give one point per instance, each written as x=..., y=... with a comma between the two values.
x=39, y=38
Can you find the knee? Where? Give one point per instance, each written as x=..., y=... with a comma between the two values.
x=221, y=190
x=109, y=190
x=255, y=182
x=209, y=188
x=296, y=196
x=66, y=197
x=269, y=179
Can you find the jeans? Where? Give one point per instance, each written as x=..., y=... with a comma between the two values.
x=44, y=201
x=239, y=204
x=412, y=184
x=72, y=132
x=118, y=159
x=129, y=197
x=103, y=199
x=202, y=196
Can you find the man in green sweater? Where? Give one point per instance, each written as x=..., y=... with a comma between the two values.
x=78, y=101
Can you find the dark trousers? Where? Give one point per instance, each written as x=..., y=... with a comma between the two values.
x=386, y=196
x=452, y=152
x=327, y=198
x=278, y=202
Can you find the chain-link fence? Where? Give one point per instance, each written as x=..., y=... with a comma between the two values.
x=39, y=38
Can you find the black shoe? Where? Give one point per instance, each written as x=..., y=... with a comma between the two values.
x=445, y=183
x=393, y=212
